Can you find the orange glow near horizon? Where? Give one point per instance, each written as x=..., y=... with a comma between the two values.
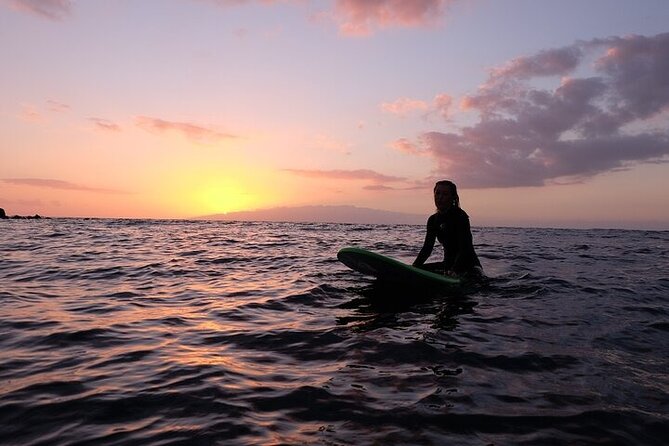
x=194, y=194
x=222, y=196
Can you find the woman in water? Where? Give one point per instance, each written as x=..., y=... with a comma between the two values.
x=449, y=225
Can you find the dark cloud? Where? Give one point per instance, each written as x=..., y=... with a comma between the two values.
x=545, y=63
x=527, y=135
x=638, y=69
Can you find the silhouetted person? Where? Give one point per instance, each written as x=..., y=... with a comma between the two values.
x=449, y=225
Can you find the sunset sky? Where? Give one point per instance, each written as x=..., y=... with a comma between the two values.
x=545, y=113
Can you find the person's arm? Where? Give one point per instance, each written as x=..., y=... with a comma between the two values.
x=428, y=245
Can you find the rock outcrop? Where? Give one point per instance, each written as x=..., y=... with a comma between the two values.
x=3, y=215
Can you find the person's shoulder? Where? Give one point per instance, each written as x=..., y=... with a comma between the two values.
x=432, y=219
x=461, y=214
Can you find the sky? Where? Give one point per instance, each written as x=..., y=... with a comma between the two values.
x=545, y=113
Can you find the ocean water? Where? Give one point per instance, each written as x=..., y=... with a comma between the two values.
x=116, y=332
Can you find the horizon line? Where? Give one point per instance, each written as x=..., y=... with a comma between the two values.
x=204, y=219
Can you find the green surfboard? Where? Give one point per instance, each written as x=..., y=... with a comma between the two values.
x=390, y=270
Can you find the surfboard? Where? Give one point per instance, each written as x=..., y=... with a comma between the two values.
x=388, y=269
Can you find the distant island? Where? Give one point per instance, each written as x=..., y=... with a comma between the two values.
x=4, y=216
x=321, y=214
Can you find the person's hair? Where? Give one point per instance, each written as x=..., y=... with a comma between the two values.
x=453, y=189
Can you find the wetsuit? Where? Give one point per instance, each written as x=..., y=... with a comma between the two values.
x=452, y=230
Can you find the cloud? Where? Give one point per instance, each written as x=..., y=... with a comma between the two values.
x=552, y=62
x=240, y=2
x=403, y=106
x=56, y=106
x=358, y=174
x=376, y=181
x=406, y=146
x=193, y=132
x=379, y=187
x=57, y=184
x=363, y=17
x=353, y=17
x=49, y=9
x=529, y=135
x=441, y=105
x=30, y=113
x=106, y=125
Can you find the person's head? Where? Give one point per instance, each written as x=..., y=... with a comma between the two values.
x=446, y=195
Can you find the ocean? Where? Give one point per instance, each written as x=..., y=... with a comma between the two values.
x=157, y=332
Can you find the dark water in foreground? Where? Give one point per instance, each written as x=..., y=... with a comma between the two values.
x=117, y=332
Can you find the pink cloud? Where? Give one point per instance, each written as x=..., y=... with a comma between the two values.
x=104, y=124
x=56, y=106
x=57, y=184
x=358, y=174
x=191, y=131
x=379, y=187
x=240, y=2
x=441, y=105
x=406, y=146
x=362, y=17
x=30, y=113
x=403, y=106
x=528, y=136
x=50, y=9
x=375, y=181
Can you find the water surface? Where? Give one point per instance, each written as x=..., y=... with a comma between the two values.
x=176, y=332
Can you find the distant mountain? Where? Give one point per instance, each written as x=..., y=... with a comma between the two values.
x=322, y=214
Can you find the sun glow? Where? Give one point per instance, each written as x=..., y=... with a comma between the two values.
x=223, y=196
x=217, y=191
